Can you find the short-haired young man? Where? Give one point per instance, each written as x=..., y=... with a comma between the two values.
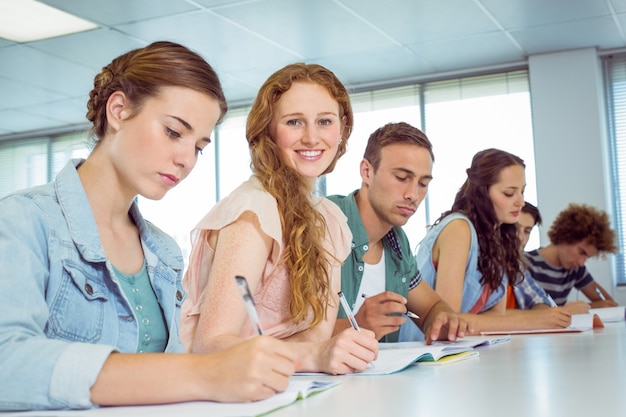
x=380, y=277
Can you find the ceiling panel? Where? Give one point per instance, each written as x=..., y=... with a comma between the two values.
x=377, y=66
x=13, y=120
x=227, y=46
x=64, y=111
x=45, y=84
x=474, y=51
x=326, y=29
x=93, y=49
x=619, y=6
x=40, y=69
x=424, y=21
x=531, y=13
x=594, y=32
x=17, y=94
x=115, y=12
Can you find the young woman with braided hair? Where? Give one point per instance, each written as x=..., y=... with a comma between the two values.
x=86, y=283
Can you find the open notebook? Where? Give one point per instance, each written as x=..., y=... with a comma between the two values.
x=452, y=352
x=394, y=357
x=299, y=388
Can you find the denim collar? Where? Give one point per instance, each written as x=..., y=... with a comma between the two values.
x=82, y=224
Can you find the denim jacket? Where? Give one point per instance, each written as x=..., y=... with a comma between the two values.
x=62, y=311
x=472, y=288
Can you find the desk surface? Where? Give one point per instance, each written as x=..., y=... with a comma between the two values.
x=532, y=375
x=567, y=374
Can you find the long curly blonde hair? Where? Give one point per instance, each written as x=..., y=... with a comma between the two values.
x=304, y=228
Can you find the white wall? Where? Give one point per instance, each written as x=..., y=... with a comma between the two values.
x=570, y=142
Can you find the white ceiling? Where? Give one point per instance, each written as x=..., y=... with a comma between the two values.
x=45, y=84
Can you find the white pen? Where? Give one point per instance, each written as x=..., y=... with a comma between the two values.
x=408, y=312
x=346, y=308
x=552, y=303
x=412, y=314
x=244, y=290
x=602, y=297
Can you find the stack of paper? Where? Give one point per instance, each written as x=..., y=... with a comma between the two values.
x=610, y=314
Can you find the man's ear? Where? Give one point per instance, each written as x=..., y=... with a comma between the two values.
x=366, y=170
x=118, y=109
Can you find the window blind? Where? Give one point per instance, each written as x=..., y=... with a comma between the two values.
x=615, y=93
x=23, y=164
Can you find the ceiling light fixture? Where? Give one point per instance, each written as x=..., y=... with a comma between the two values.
x=29, y=20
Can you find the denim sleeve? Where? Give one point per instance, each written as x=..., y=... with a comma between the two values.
x=37, y=372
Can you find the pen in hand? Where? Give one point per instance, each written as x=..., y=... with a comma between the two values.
x=244, y=290
x=408, y=312
x=602, y=297
x=346, y=308
x=412, y=314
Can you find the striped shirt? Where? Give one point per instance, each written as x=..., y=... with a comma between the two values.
x=556, y=281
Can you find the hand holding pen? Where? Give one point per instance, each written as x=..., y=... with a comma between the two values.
x=408, y=313
x=382, y=313
x=603, y=301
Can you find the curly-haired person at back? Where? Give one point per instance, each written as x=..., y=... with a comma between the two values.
x=578, y=233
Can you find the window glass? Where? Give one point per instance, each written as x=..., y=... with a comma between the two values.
x=68, y=147
x=468, y=115
x=233, y=152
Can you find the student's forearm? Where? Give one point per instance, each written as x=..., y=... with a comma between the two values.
x=598, y=296
x=128, y=379
x=254, y=369
x=210, y=344
x=514, y=311
x=522, y=320
x=491, y=322
x=436, y=308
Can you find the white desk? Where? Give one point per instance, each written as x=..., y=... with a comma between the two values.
x=568, y=374
x=575, y=374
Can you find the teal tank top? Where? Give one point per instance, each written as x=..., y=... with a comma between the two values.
x=150, y=321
